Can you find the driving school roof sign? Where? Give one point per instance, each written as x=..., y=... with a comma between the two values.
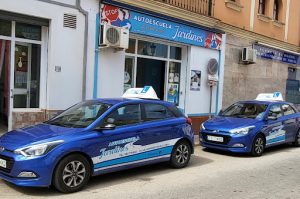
x=160, y=28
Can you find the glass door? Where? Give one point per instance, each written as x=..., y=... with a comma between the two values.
x=22, y=75
x=26, y=75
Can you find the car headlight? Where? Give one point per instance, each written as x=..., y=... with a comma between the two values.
x=38, y=149
x=241, y=131
x=202, y=127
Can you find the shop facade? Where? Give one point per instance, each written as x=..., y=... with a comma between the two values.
x=170, y=56
x=50, y=58
x=275, y=70
x=41, y=59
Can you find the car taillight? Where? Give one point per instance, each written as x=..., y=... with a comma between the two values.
x=189, y=121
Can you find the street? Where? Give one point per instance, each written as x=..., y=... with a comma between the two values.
x=211, y=174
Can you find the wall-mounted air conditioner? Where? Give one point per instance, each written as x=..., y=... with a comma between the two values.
x=113, y=36
x=249, y=55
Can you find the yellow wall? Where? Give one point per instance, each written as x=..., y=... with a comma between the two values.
x=264, y=25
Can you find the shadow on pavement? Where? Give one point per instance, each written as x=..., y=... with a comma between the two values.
x=144, y=173
x=269, y=151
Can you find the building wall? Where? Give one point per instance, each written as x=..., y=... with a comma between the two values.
x=240, y=17
x=244, y=82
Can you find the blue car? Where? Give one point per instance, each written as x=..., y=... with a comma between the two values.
x=96, y=137
x=252, y=126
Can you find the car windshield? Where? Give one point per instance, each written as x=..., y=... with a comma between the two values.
x=245, y=110
x=81, y=115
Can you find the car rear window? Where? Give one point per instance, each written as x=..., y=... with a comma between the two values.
x=157, y=112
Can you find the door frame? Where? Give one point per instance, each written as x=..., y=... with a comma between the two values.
x=43, y=70
x=183, y=64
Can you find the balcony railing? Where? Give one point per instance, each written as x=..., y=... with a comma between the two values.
x=203, y=7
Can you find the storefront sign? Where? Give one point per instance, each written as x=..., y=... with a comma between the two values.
x=278, y=55
x=160, y=28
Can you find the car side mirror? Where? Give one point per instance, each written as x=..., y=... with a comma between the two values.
x=107, y=127
x=221, y=112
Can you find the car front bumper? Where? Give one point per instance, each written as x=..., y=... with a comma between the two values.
x=40, y=166
x=232, y=143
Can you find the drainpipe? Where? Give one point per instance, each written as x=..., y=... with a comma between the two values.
x=86, y=31
x=85, y=14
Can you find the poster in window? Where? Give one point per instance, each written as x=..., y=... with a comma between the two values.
x=173, y=93
x=195, y=80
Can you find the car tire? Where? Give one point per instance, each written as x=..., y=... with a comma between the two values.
x=258, y=146
x=72, y=174
x=180, y=155
x=296, y=143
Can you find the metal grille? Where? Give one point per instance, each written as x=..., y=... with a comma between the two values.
x=70, y=21
x=112, y=35
x=10, y=163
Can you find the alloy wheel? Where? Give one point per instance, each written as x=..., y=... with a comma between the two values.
x=74, y=174
x=182, y=154
x=259, y=145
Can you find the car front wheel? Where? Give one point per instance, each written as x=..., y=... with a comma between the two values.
x=181, y=155
x=258, y=146
x=72, y=174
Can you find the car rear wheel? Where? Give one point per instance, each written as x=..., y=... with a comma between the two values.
x=258, y=146
x=297, y=139
x=181, y=155
x=72, y=174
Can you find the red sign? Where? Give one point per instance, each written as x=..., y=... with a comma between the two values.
x=111, y=12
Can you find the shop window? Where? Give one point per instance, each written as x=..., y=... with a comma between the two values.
x=5, y=28
x=174, y=82
x=152, y=49
x=175, y=53
x=262, y=7
x=27, y=31
x=27, y=75
x=129, y=72
x=293, y=86
x=131, y=47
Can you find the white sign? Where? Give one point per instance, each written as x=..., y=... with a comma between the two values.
x=144, y=93
x=277, y=96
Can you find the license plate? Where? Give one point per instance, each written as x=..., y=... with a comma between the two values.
x=215, y=138
x=2, y=163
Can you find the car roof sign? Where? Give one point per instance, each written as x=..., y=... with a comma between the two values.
x=143, y=93
x=277, y=96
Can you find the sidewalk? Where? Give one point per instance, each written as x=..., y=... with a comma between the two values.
x=196, y=139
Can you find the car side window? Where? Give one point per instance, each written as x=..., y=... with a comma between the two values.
x=157, y=112
x=128, y=114
x=275, y=111
x=287, y=109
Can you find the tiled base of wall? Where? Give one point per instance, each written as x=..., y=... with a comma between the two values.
x=197, y=121
x=22, y=119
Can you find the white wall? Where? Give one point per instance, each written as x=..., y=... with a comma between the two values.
x=111, y=73
x=198, y=101
x=65, y=49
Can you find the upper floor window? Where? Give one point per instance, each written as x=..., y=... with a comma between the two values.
x=276, y=10
x=261, y=7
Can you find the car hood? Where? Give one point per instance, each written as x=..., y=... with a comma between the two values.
x=228, y=123
x=33, y=134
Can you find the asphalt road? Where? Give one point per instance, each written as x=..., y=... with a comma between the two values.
x=210, y=174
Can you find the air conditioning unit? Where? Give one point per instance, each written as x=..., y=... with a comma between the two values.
x=249, y=55
x=113, y=36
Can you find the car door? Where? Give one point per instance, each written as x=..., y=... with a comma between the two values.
x=275, y=130
x=160, y=126
x=118, y=147
x=290, y=122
